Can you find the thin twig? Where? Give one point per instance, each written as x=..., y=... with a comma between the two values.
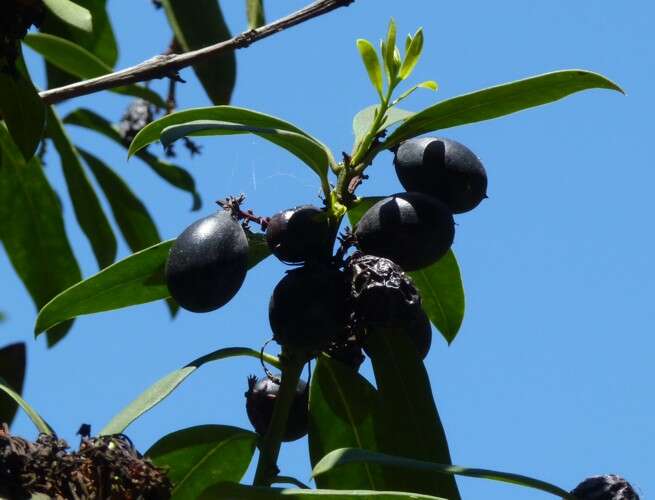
x=165, y=65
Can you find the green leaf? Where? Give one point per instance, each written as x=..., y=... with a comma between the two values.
x=22, y=110
x=39, y=423
x=134, y=280
x=81, y=63
x=231, y=114
x=199, y=27
x=88, y=211
x=498, y=101
x=428, y=84
x=199, y=457
x=442, y=294
x=130, y=213
x=371, y=62
x=338, y=458
x=388, y=47
x=255, y=13
x=71, y=13
x=412, y=55
x=161, y=389
x=305, y=149
x=408, y=413
x=30, y=208
x=364, y=120
x=173, y=174
x=231, y=491
x=12, y=370
x=342, y=412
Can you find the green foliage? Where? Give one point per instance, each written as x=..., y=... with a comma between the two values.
x=255, y=13
x=40, y=424
x=199, y=457
x=231, y=491
x=12, y=370
x=70, y=13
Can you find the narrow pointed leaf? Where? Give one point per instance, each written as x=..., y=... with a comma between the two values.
x=371, y=63
x=342, y=457
x=132, y=217
x=342, y=411
x=412, y=55
x=39, y=423
x=428, y=84
x=161, y=389
x=12, y=370
x=134, y=280
x=442, y=294
x=308, y=151
x=199, y=457
x=364, y=119
x=45, y=264
x=71, y=13
x=387, y=50
x=498, y=101
x=409, y=417
x=88, y=211
x=81, y=63
x=232, y=491
x=255, y=13
x=22, y=110
x=173, y=174
x=199, y=27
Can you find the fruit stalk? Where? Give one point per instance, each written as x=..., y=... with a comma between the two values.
x=269, y=449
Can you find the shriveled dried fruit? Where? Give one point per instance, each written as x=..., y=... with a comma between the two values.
x=260, y=401
x=308, y=308
x=299, y=234
x=442, y=168
x=607, y=487
x=207, y=263
x=412, y=229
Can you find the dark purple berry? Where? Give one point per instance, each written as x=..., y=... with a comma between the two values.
x=260, y=401
x=207, y=263
x=308, y=308
x=607, y=487
x=412, y=229
x=299, y=235
x=348, y=352
x=444, y=169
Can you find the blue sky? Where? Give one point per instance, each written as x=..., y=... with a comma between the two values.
x=551, y=374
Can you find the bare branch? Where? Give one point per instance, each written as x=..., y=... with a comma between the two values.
x=166, y=65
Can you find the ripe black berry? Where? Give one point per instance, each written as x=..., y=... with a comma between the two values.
x=308, y=308
x=299, y=235
x=607, y=487
x=348, y=352
x=442, y=168
x=207, y=263
x=260, y=400
x=412, y=229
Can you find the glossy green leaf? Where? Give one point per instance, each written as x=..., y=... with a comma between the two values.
x=442, y=294
x=339, y=458
x=39, y=423
x=412, y=55
x=498, y=101
x=255, y=13
x=387, y=51
x=81, y=63
x=100, y=42
x=428, y=84
x=134, y=280
x=88, y=211
x=408, y=413
x=305, y=149
x=46, y=265
x=371, y=63
x=231, y=114
x=22, y=110
x=342, y=412
x=173, y=174
x=132, y=217
x=12, y=370
x=199, y=27
x=161, y=389
x=199, y=457
x=71, y=13
x=364, y=120
x=233, y=491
